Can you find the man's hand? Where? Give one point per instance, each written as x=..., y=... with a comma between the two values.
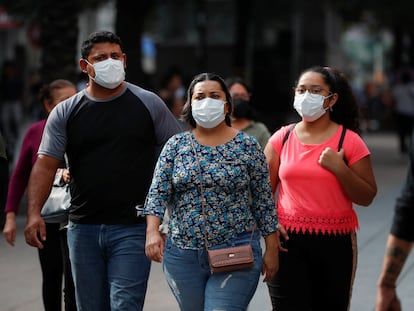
x=35, y=231
x=387, y=299
x=40, y=182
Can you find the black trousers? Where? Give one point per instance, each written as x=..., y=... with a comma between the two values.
x=54, y=262
x=316, y=274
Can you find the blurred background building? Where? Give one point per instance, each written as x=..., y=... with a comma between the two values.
x=266, y=42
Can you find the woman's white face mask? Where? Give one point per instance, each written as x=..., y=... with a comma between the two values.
x=310, y=106
x=208, y=112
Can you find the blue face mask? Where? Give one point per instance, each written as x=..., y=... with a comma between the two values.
x=208, y=112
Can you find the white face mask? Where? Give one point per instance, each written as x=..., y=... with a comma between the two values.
x=310, y=106
x=109, y=73
x=208, y=112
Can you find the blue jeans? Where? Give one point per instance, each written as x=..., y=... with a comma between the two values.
x=109, y=266
x=196, y=289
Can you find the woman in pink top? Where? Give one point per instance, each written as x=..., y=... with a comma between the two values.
x=54, y=258
x=320, y=174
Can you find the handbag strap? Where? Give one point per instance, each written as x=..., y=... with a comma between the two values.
x=203, y=208
x=66, y=160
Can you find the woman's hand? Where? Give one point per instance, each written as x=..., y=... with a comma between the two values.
x=271, y=256
x=282, y=232
x=9, y=229
x=270, y=264
x=154, y=246
x=332, y=160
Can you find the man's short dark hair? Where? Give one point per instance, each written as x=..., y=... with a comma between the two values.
x=98, y=37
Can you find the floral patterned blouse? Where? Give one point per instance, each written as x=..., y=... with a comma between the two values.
x=236, y=186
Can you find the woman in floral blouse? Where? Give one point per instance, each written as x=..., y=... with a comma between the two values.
x=238, y=199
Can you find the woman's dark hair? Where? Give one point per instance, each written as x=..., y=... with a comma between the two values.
x=233, y=80
x=98, y=37
x=187, y=115
x=46, y=92
x=345, y=111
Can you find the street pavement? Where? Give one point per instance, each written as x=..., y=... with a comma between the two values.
x=20, y=278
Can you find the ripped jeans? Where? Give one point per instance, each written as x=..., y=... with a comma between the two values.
x=196, y=289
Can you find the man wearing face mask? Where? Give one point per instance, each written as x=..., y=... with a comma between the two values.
x=244, y=116
x=112, y=132
x=317, y=190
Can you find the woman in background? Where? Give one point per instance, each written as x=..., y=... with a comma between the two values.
x=54, y=257
x=244, y=116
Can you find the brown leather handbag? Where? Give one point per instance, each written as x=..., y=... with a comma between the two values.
x=228, y=258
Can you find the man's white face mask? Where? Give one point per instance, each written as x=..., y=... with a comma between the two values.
x=109, y=73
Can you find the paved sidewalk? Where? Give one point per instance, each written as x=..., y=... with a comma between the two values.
x=20, y=279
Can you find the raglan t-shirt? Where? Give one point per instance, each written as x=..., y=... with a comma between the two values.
x=112, y=146
x=310, y=197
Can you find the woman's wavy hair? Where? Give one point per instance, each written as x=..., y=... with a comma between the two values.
x=345, y=111
x=187, y=115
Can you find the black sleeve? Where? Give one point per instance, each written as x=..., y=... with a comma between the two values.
x=403, y=221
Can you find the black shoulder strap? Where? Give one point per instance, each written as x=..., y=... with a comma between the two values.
x=288, y=133
x=341, y=141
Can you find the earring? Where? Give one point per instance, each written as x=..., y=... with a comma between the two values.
x=330, y=108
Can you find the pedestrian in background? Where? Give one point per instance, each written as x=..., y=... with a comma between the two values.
x=318, y=185
x=11, y=95
x=399, y=244
x=53, y=257
x=231, y=168
x=4, y=179
x=172, y=92
x=403, y=109
x=112, y=132
x=243, y=116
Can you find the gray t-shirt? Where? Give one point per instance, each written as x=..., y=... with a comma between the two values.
x=112, y=146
